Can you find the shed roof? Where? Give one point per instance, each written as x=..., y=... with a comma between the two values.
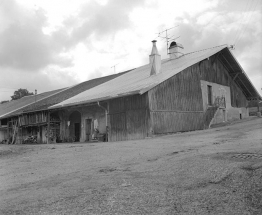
x=139, y=80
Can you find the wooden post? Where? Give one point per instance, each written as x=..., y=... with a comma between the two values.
x=48, y=127
x=257, y=104
x=8, y=132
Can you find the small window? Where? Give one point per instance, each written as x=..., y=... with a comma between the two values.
x=3, y=122
x=209, y=95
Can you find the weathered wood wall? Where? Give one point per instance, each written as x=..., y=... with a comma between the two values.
x=213, y=70
x=128, y=118
x=168, y=122
x=172, y=106
x=176, y=104
x=181, y=92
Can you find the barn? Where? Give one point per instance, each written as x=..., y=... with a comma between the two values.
x=182, y=93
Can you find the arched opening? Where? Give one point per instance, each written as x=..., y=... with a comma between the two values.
x=75, y=126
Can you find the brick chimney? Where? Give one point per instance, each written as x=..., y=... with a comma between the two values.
x=155, y=60
x=174, y=50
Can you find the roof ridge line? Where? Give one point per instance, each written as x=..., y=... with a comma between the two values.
x=195, y=52
x=205, y=49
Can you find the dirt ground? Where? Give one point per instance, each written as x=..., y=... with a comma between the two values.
x=215, y=171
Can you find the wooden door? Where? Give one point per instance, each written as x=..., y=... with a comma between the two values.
x=117, y=127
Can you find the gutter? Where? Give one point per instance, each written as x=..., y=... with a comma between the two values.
x=106, y=110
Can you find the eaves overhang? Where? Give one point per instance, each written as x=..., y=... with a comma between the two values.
x=238, y=75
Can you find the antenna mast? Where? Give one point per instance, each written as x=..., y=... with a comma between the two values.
x=166, y=37
x=114, y=67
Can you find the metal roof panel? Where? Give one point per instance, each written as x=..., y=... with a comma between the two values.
x=139, y=80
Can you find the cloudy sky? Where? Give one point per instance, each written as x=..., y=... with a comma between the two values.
x=51, y=44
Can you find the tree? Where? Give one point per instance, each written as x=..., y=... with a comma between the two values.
x=18, y=94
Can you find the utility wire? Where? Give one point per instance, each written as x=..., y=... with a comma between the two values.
x=248, y=16
x=244, y=29
x=244, y=16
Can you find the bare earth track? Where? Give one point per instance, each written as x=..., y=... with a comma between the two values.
x=215, y=171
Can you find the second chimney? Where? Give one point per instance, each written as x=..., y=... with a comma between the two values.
x=155, y=60
x=174, y=50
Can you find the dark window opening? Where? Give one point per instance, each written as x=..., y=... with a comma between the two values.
x=209, y=94
x=3, y=122
x=240, y=116
x=77, y=132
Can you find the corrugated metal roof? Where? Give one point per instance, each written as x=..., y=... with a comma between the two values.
x=16, y=105
x=139, y=80
x=47, y=99
x=69, y=92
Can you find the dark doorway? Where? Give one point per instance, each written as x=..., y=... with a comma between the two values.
x=77, y=132
x=75, y=126
x=88, y=129
x=240, y=116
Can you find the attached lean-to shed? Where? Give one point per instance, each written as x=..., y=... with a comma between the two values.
x=29, y=117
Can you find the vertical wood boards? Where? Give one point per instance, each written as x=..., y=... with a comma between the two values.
x=128, y=118
x=217, y=73
x=181, y=92
x=32, y=118
x=123, y=104
x=136, y=126
x=176, y=104
x=168, y=122
x=117, y=127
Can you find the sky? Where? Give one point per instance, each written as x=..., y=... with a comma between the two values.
x=52, y=44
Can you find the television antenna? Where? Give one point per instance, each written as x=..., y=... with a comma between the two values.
x=114, y=66
x=166, y=37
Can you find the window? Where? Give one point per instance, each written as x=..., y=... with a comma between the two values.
x=209, y=94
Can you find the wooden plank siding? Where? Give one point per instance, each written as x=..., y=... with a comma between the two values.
x=181, y=92
x=117, y=127
x=128, y=118
x=213, y=70
x=172, y=106
x=176, y=104
x=169, y=122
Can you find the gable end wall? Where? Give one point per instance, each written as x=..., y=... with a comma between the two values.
x=213, y=70
x=176, y=104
